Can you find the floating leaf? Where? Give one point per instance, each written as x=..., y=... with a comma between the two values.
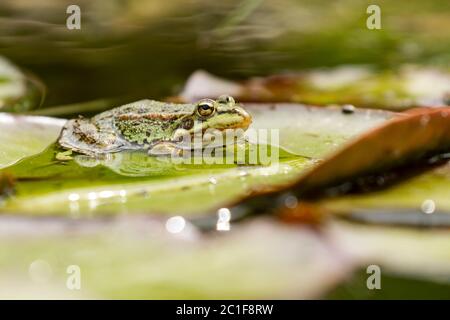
x=385, y=147
x=136, y=258
x=134, y=182
x=422, y=253
x=23, y=136
x=18, y=92
x=422, y=200
x=409, y=86
x=374, y=153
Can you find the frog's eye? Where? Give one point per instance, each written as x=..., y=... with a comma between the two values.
x=205, y=108
x=225, y=98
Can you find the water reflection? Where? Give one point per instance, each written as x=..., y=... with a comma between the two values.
x=223, y=221
x=175, y=224
x=428, y=206
x=40, y=271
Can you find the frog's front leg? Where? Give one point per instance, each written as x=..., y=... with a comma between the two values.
x=64, y=155
x=164, y=148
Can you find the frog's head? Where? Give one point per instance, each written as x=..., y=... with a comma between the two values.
x=221, y=114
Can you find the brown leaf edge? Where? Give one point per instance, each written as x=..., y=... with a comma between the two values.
x=273, y=88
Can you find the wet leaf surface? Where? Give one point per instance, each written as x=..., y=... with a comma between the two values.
x=419, y=253
x=23, y=136
x=137, y=258
x=136, y=183
x=363, y=163
x=419, y=201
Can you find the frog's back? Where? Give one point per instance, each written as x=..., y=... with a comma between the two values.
x=149, y=107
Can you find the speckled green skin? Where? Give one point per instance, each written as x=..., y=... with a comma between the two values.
x=146, y=124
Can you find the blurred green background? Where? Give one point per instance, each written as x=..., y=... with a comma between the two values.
x=148, y=48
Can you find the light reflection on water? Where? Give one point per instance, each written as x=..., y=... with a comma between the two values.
x=428, y=206
x=223, y=221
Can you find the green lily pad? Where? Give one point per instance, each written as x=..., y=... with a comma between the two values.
x=136, y=258
x=136, y=183
x=363, y=162
x=422, y=200
x=23, y=136
x=421, y=253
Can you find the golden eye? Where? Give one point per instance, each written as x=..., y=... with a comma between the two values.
x=205, y=108
x=226, y=99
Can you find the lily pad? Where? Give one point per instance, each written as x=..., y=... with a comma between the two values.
x=136, y=183
x=422, y=253
x=18, y=92
x=23, y=136
x=377, y=152
x=421, y=200
x=136, y=258
x=408, y=86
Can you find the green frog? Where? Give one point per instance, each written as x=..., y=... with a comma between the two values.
x=150, y=125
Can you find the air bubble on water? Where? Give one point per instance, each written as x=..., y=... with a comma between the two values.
x=175, y=224
x=40, y=271
x=428, y=206
x=291, y=202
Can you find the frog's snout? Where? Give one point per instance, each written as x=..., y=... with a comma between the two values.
x=246, y=117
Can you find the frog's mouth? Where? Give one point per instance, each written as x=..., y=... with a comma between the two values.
x=237, y=118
